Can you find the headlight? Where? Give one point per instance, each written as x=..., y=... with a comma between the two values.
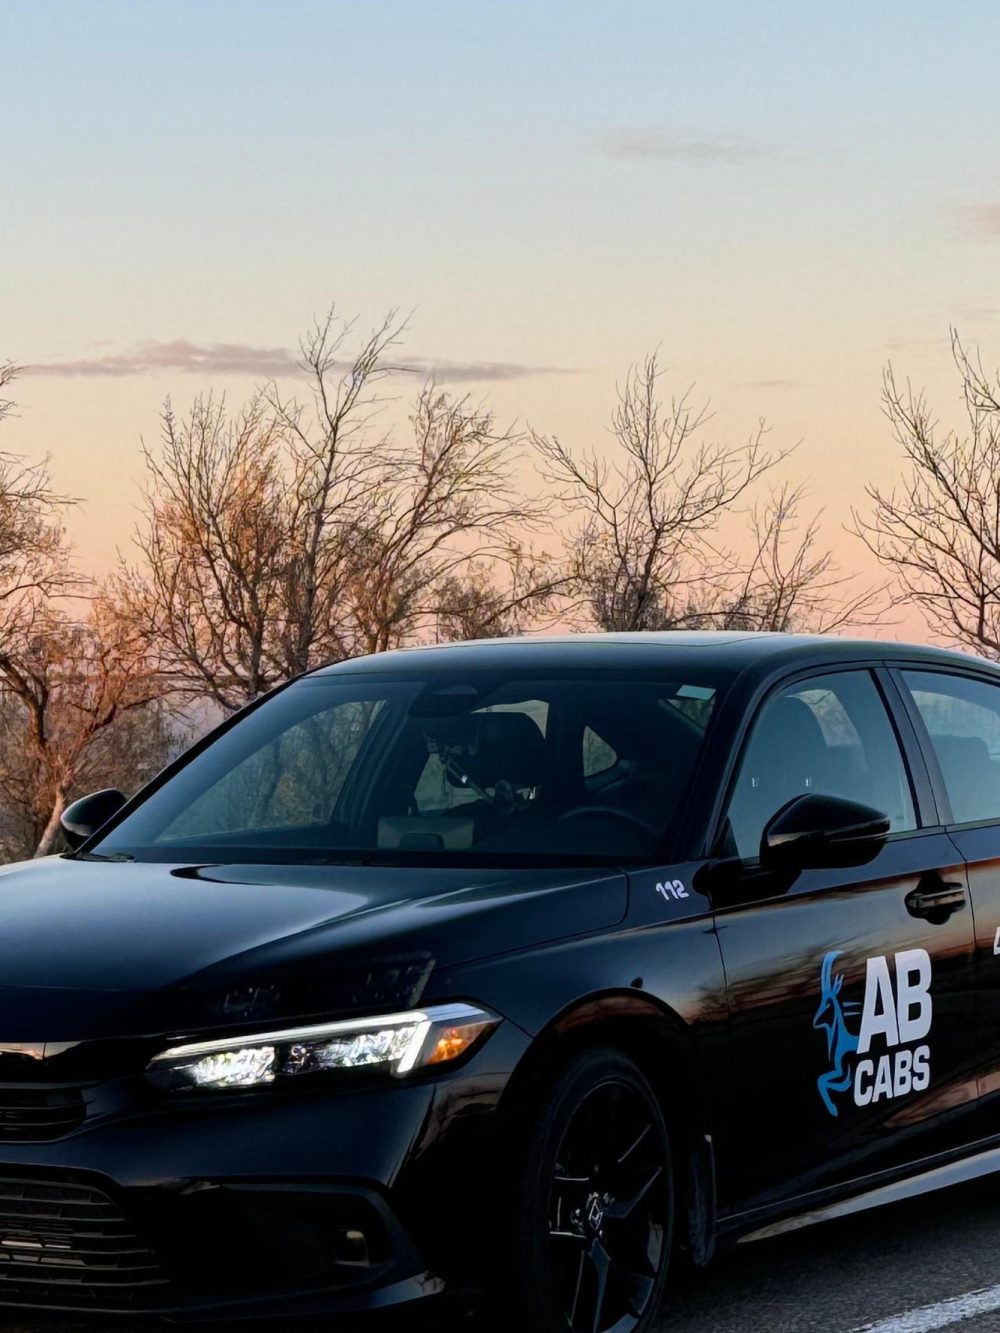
x=395, y=1043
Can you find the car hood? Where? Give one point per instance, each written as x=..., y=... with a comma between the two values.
x=93, y=949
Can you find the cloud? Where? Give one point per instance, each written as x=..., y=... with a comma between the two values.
x=645, y=142
x=454, y=372
x=217, y=358
x=263, y=362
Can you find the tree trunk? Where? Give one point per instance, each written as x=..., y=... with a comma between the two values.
x=51, y=832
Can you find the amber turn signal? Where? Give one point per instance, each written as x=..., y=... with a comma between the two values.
x=455, y=1042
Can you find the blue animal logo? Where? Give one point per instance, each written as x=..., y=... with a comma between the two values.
x=840, y=1041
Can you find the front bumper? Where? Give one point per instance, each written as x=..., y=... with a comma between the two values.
x=335, y=1200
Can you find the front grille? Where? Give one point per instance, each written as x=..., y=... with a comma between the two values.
x=63, y=1244
x=35, y=1114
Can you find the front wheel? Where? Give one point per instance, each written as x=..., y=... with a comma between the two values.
x=596, y=1202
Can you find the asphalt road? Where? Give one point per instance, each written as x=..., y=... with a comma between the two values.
x=834, y=1278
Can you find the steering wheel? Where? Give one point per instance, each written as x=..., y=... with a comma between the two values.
x=616, y=813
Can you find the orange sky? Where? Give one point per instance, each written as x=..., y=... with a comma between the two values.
x=779, y=197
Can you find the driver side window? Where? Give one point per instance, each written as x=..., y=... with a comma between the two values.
x=830, y=736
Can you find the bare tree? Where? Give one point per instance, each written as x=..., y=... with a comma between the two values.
x=481, y=603
x=125, y=754
x=648, y=509
x=443, y=503
x=938, y=532
x=335, y=460
x=34, y=553
x=214, y=578
x=8, y=373
x=791, y=582
x=65, y=682
x=249, y=542
x=290, y=534
x=72, y=682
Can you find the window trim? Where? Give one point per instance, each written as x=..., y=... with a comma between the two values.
x=919, y=792
x=925, y=793
x=899, y=671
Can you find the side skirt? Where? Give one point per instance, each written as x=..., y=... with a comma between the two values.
x=906, y=1187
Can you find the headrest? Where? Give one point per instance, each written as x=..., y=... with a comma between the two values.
x=961, y=752
x=793, y=728
x=494, y=747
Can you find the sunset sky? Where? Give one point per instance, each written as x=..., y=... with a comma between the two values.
x=781, y=197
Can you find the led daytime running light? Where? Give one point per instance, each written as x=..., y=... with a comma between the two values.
x=397, y=1043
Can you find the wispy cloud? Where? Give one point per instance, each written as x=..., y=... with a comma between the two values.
x=263, y=362
x=216, y=358
x=454, y=372
x=647, y=142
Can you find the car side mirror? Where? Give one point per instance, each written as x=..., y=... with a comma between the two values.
x=84, y=817
x=814, y=832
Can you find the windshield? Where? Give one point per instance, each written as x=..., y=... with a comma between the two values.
x=441, y=769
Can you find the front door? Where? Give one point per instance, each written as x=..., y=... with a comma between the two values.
x=851, y=1043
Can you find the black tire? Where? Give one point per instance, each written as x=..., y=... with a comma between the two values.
x=595, y=1203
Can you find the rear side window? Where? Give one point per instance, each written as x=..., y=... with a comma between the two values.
x=598, y=755
x=830, y=736
x=962, y=716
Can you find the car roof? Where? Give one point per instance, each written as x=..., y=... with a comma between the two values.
x=730, y=651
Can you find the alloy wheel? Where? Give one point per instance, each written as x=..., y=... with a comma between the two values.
x=609, y=1209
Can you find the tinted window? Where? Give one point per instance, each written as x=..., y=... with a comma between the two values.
x=480, y=768
x=963, y=718
x=829, y=735
x=436, y=791
x=291, y=782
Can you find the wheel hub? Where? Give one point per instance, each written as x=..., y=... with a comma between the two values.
x=597, y=1207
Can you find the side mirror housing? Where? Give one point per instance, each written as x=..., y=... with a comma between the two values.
x=814, y=832
x=84, y=817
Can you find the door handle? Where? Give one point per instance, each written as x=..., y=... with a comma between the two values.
x=938, y=903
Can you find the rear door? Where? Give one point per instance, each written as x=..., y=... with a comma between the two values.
x=958, y=717
x=851, y=1046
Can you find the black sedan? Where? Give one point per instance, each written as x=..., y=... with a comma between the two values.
x=518, y=968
